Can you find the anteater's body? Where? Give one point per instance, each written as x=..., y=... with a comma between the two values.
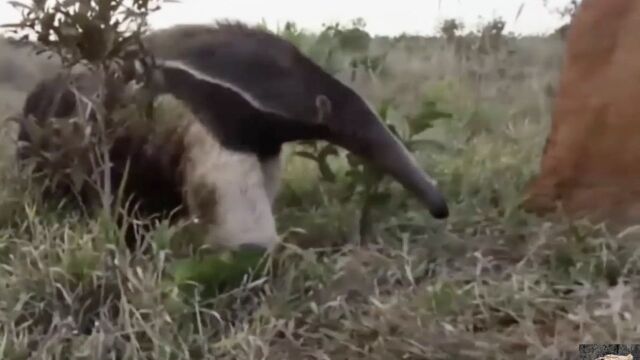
x=181, y=170
x=250, y=92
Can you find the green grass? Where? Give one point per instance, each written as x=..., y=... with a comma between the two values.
x=491, y=282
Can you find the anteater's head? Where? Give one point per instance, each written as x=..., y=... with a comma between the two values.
x=255, y=91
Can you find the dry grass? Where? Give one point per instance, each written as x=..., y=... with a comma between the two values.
x=489, y=283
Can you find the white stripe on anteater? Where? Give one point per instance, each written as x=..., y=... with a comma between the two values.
x=174, y=64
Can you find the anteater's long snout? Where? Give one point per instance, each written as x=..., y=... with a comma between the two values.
x=380, y=147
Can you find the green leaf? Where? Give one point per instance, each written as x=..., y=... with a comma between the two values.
x=215, y=273
x=384, y=108
x=427, y=115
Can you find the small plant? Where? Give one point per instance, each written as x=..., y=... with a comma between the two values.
x=451, y=29
x=492, y=36
x=353, y=38
x=337, y=47
x=91, y=35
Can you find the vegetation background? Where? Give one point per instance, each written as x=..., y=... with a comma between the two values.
x=366, y=274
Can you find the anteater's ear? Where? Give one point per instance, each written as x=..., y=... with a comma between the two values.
x=323, y=108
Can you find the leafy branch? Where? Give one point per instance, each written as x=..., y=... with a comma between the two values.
x=94, y=36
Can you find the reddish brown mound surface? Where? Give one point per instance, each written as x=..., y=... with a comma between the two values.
x=591, y=163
